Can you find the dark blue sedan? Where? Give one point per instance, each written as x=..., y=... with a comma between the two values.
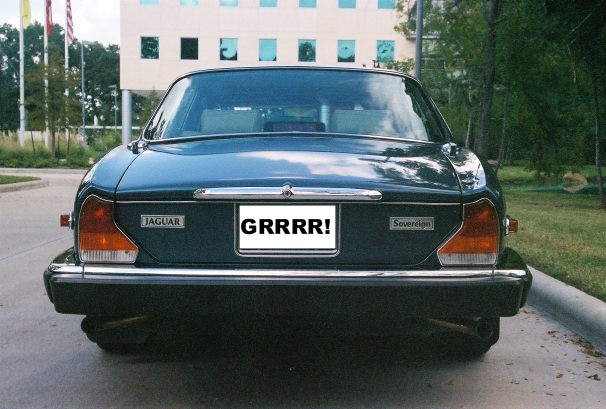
x=291, y=191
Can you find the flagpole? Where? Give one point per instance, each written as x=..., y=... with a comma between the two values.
x=46, y=78
x=66, y=46
x=21, y=78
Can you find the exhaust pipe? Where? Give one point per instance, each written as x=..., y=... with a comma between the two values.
x=481, y=328
x=131, y=330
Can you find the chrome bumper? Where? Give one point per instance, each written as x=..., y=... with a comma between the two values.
x=126, y=290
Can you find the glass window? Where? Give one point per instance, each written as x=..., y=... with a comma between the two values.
x=387, y=4
x=268, y=49
x=228, y=49
x=347, y=4
x=346, y=51
x=268, y=3
x=149, y=2
x=228, y=3
x=385, y=50
x=297, y=100
x=307, y=50
x=150, y=48
x=190, y=2
x=307, y=3
x=189, y=48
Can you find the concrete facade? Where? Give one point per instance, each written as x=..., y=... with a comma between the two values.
x=342, y=35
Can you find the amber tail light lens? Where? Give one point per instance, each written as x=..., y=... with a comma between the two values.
x=477, y=242
x=99, y=239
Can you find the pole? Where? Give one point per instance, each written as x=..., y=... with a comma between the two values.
x=419, y=40
x=46, y=82
x=83, y=99
x=114, y=93
x=21, y=79
x=127, y=118
x=66, y=51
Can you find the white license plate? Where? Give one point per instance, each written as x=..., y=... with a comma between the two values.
x=287, y=229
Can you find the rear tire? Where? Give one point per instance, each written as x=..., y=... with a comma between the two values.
x=120, y=336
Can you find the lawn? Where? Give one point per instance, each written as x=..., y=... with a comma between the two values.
x=4, y=179
x=561, y=234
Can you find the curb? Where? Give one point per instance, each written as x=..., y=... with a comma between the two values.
x=576, y=310
x=14, y=187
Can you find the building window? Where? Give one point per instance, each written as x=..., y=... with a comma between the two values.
x=268, y=3
x=387, y=4
x=189, y=48
x=228, y=49
x=268, y=49
x=385, y=50
x=150, y=48
x=307, y=50
x=190, y=2
x=149, y=2
x=307, y=3
x=346, y=51
x=347, y=4
x=228, y=3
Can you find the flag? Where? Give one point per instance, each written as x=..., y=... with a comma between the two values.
x=26, y=13
x=49, y=17
x=69, y=22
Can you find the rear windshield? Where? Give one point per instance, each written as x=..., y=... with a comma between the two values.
x=296, y=100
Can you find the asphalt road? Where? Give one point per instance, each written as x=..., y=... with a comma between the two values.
x=46, y=362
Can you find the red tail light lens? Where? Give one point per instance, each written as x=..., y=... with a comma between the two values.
x=99, y=239
x=477, y=242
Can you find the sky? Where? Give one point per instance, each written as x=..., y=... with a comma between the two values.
x=94, y=20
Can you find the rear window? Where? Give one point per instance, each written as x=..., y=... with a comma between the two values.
x=296, y=100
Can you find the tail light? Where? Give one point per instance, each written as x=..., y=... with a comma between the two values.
x=477, y=242
x=99, y=239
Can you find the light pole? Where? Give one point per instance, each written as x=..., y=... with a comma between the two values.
x=419, y=40
x=82, y=44
x=114, y=94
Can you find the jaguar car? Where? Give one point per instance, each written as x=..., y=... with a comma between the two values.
x=317, y=192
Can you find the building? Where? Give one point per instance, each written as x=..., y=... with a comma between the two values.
x=162, y=39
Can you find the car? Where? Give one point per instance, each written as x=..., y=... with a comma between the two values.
x=319, y=192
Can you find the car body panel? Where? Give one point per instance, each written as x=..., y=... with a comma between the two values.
x=182, y=196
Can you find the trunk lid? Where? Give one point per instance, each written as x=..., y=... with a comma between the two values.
x=420, y=204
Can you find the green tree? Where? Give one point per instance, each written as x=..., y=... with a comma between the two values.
x=101, y=71
x=59, y=109
x=585, y=36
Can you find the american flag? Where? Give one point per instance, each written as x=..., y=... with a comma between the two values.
x=70, y=23
x=49, y=17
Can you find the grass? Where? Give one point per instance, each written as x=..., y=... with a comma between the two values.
x=6, y=179
x=561, y=234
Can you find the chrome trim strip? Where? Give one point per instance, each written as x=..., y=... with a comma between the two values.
x=127, y=202
x=92, y=270
x=286, y=192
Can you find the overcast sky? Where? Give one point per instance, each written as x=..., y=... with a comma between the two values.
x=94, y=20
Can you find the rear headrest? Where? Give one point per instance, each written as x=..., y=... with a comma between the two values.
x=363, y=122
x=215, y=121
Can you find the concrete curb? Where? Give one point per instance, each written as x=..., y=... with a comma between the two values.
x=578, y=311
x=14, y=187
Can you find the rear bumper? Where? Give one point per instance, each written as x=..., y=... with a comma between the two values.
x=128, y=291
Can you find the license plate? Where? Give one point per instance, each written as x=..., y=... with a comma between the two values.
x=287, y=229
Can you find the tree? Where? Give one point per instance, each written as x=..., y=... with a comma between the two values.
x=59, y=106
x=102, y=70
x=585, y=30
x=492, y=12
